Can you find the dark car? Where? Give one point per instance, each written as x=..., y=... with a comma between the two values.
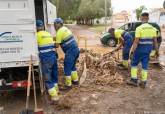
x=130, y=27
x=108, y=40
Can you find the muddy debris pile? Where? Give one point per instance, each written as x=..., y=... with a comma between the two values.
x=101, y=70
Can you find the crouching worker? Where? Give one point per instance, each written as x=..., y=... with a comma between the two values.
x=125, y=41
x=66, y=40
x=48, y=59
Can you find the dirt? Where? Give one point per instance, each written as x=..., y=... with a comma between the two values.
x=105, y=90
x=103, y=95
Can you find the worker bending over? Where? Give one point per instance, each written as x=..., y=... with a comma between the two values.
x=125, y=40
x=66, y=40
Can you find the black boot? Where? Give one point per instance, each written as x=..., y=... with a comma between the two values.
x=133, y=82
x=75, y=82
x=143, y=84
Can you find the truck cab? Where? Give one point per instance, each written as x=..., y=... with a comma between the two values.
x=18, y=37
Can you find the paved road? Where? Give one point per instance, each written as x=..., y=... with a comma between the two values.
x=93, y=40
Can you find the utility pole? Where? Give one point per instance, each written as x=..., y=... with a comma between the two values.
x=57, y=7
x=105, y=14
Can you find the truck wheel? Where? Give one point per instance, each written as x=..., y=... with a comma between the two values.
x=111, y=42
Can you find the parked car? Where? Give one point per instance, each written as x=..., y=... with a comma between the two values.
x=108, y=40
x=129, y=27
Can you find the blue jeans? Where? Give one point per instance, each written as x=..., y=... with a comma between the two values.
x=50, y=70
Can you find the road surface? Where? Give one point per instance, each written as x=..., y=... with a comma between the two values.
x=121, y=99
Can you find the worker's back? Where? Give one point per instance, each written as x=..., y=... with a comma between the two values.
x=118, y=33
x=44, y=38
x=145, y=33
x=45, y=45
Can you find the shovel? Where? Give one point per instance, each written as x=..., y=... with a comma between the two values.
x=84, y=74
x=27, y=110
x=36, y=110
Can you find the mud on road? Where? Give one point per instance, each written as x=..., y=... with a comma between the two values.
x=106, y=92
x=101, y=93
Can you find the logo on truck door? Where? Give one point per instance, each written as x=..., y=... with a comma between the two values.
x=7, y=37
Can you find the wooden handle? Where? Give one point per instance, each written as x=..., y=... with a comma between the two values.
x=34, y=89
x=29, y=82
x=85, y=49
x=41, y=79
x=78, y=41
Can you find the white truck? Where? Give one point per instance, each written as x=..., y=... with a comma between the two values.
x=18, y=37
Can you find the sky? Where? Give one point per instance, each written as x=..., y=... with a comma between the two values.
x=119, y=5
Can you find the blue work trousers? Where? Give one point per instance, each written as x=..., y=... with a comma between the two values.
x=128, y=41
x=140, y=57
x=72, y=52
x=49, y=69
x=71, y=57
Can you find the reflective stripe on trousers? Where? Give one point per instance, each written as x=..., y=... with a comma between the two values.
x=46, y=48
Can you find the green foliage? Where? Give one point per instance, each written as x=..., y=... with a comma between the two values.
x=139, y=11
x=86, y=9
x=66, y=9
x=93, y=8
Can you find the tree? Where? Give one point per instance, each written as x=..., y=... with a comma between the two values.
x=66, y=9
x=139, y=11
x=91, y=9
x=84, y=11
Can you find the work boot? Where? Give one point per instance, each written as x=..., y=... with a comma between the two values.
x=55, y=98
x=133, y=82
x=56, y=87
x=68, y=82
x=75, y=82
x=143, y=84
x=75, y=78
x=53, y=94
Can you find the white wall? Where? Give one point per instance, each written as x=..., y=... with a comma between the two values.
x=157, y=17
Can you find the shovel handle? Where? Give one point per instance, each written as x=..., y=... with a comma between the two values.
x=29, y=81
x=41, y=79
x=34, y=89
x=85, y=49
